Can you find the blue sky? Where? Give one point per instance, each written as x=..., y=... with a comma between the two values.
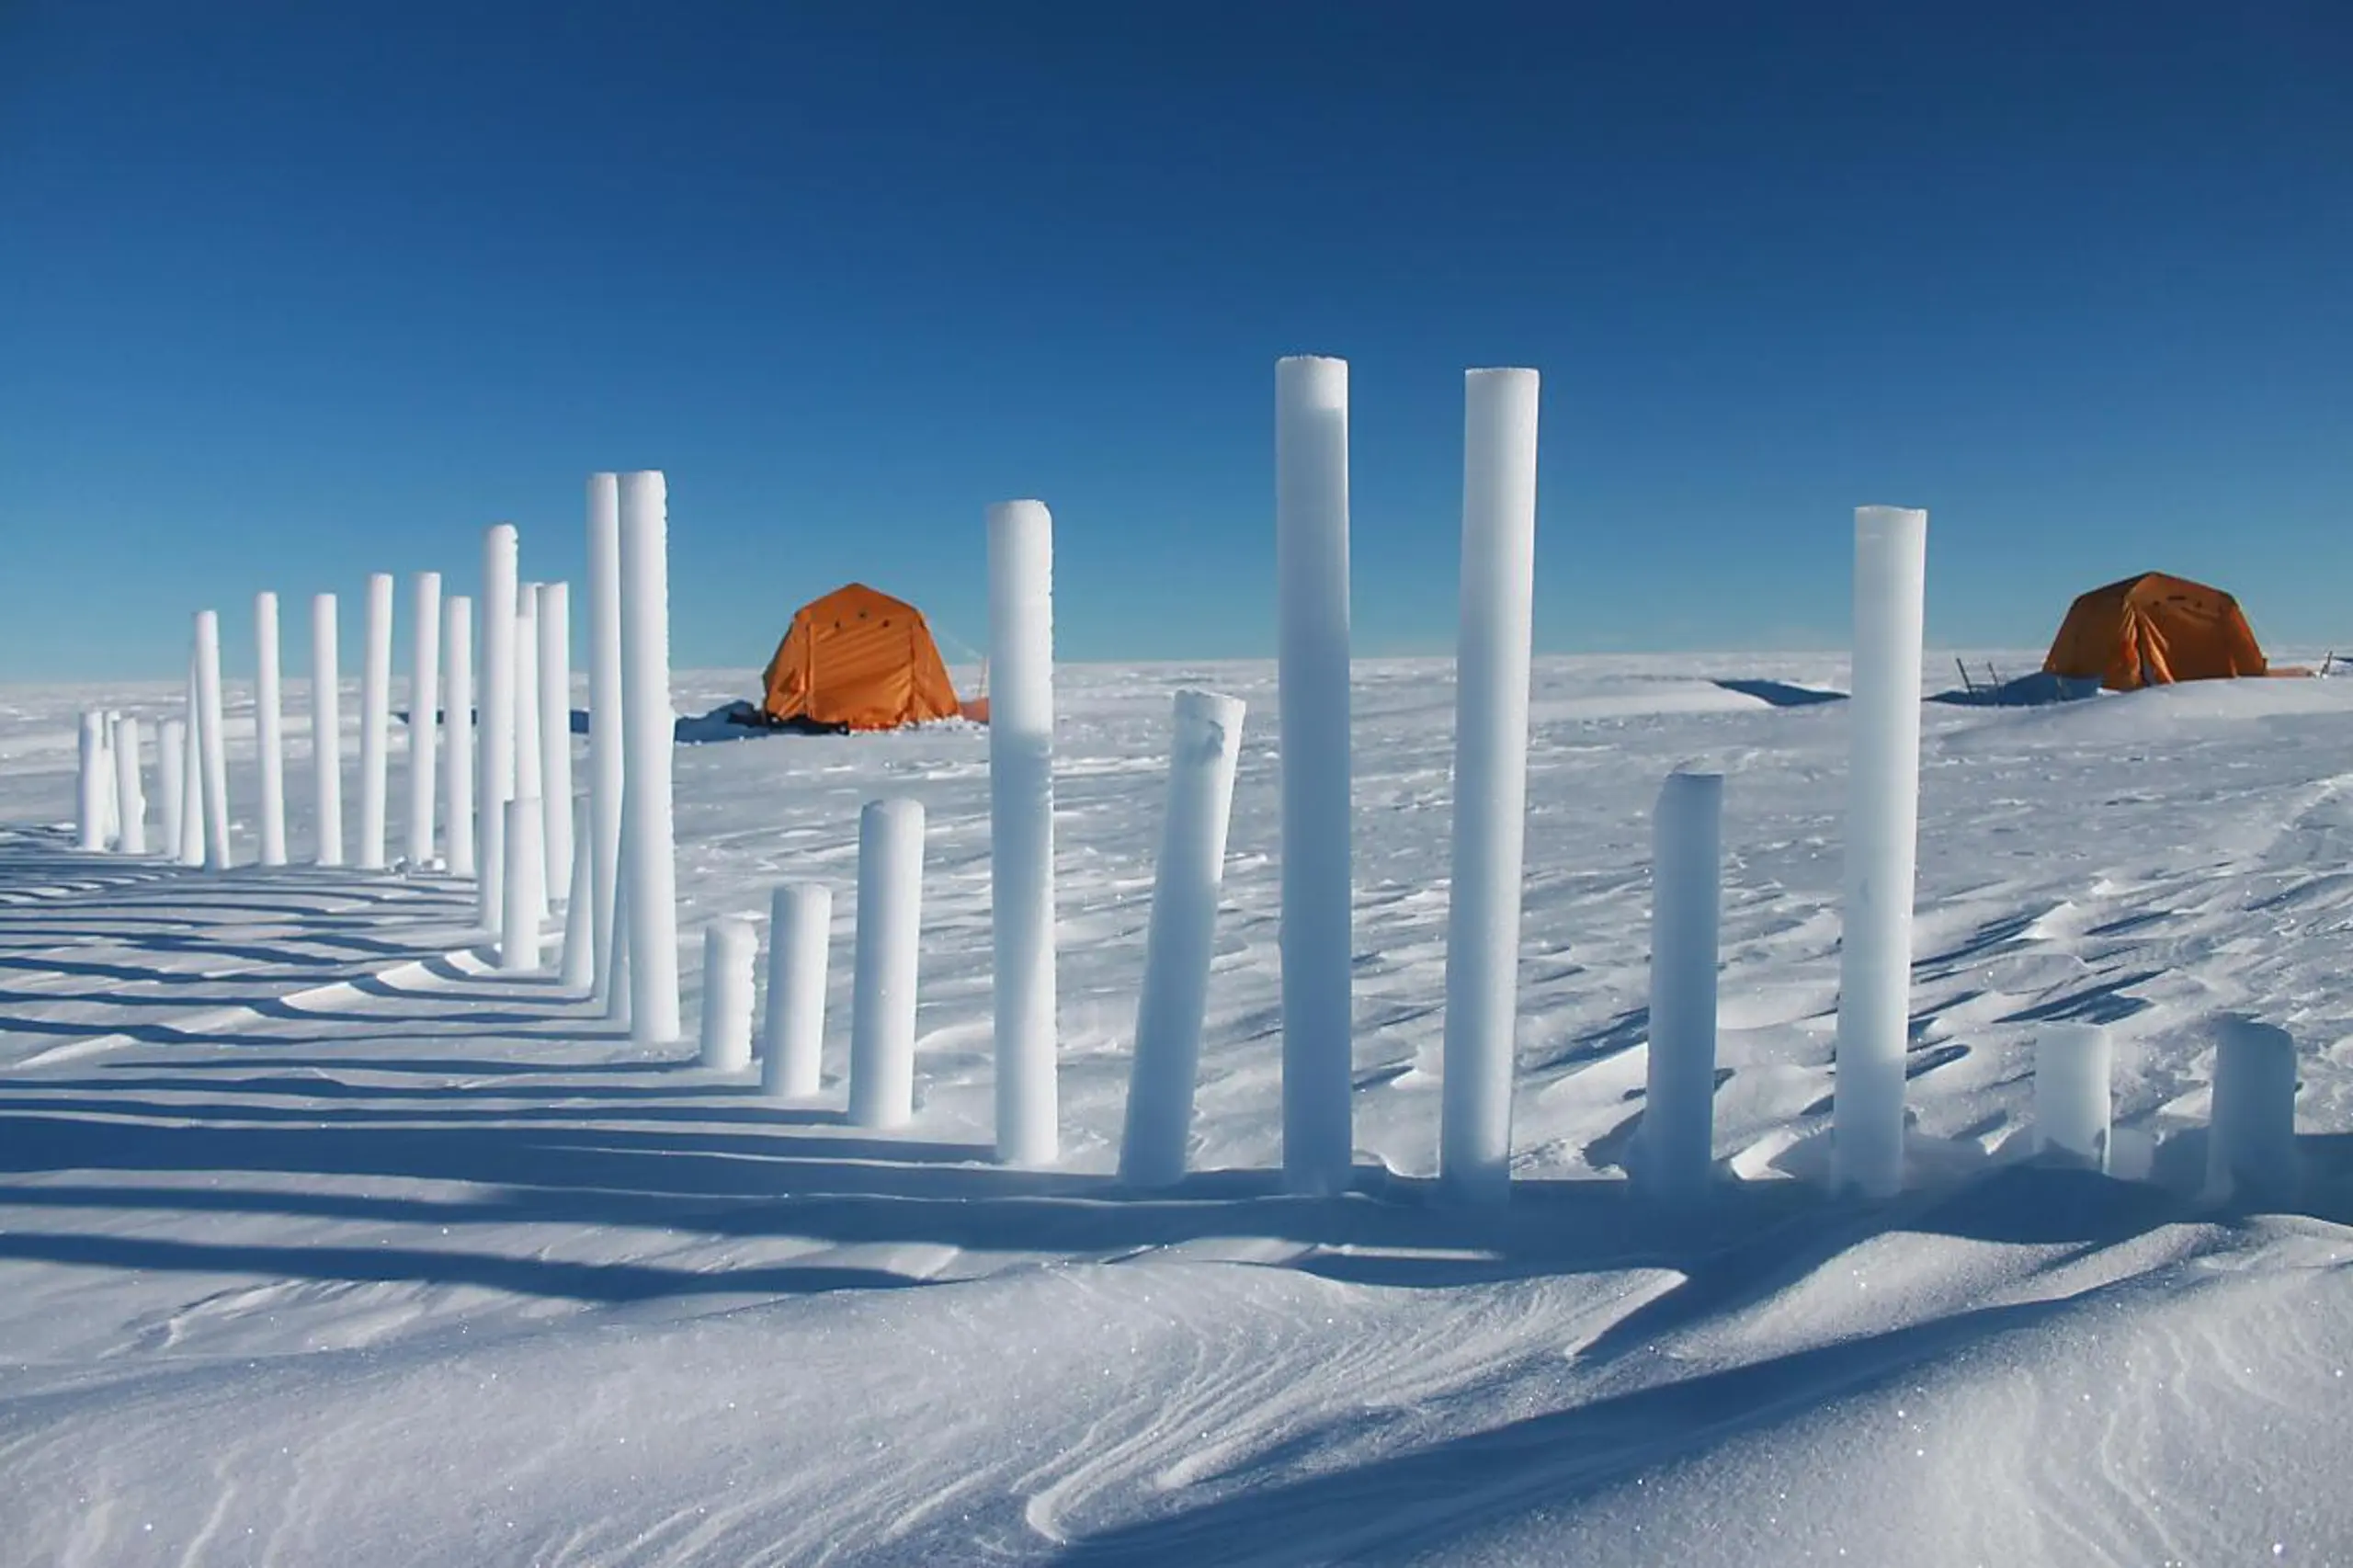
x=291, y=293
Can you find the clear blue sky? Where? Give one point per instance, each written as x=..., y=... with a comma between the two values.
x=293, y=290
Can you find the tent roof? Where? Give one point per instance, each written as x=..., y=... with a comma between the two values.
x=2153, y=585
x=855, y=595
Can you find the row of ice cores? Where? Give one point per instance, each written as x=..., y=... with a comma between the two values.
x=502, y=787
x=511, y=821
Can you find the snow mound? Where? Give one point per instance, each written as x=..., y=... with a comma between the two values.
x=2034, y=690
x=1638, y=697
x=2163, y=715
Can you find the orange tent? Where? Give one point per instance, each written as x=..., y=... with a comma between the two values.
x=2150, y=630
x=857, y=660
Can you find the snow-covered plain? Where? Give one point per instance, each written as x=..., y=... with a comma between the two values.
x=320, y=1245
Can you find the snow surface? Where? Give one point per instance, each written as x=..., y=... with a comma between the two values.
x=320, y=1242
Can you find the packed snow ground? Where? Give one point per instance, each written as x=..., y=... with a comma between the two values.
x=317, y=1244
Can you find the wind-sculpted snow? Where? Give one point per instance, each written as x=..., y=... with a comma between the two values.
x=323, y=1242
